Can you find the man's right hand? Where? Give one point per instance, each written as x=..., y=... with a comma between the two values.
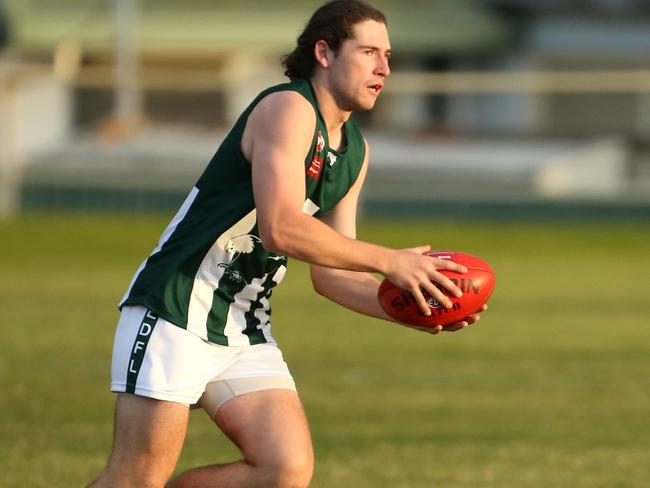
x=413, y=271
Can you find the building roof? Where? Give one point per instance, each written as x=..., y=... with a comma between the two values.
x=208, y=27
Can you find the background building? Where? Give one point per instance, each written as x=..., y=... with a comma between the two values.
x=518, y=101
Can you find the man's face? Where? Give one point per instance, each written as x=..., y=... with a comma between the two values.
x=357, y=73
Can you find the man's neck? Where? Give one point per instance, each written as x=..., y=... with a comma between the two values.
x=331, y=112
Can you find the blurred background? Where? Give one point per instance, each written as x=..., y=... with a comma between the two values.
x=493, y=107
x=516, y=130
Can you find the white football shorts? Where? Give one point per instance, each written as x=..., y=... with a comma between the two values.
x=154, y=358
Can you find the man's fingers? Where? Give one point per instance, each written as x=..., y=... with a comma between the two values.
x=421, y=301
x=457, y=326
x=436, y=293
x=430, y=330
x=443, y=280
x=450, y=265
x=472, y=319
x=446, y=283
x=463, y=324
x=419, y=249
x=467, y=321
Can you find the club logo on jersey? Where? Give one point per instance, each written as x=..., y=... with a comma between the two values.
x=331, y=158
x=316, y=165
x=236, y=247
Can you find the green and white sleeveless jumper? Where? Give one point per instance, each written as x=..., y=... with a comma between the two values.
x=209, y=272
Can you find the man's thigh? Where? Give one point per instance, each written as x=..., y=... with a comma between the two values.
x=149, y=435
x=269, y=426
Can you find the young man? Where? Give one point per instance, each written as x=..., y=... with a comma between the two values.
x=195, y=324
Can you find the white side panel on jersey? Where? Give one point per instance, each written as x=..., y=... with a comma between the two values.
x=167, y=233
x=236, y=320
x=262, y=314
x=310, y=208
x=209, y=273
x=279, y=274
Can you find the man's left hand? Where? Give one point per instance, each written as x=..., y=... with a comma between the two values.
x=469, y=320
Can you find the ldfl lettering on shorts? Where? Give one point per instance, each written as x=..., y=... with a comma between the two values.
x=139, y=348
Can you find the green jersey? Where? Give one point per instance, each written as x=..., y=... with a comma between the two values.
x=209, y=272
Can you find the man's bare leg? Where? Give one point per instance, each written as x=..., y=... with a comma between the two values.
x=149, y=435
x=270, y=428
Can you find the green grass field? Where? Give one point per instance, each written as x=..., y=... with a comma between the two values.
x=550, y=389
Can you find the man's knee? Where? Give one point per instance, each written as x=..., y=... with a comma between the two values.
x=136, y=479
x=291, y=472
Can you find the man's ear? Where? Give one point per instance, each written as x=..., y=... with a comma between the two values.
x=323, y=53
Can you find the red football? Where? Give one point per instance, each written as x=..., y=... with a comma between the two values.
x=477, y=286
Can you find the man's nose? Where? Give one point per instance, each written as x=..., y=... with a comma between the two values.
x=382, y=67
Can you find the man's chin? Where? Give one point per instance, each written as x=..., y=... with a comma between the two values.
x=365, y=106
x=359, y=105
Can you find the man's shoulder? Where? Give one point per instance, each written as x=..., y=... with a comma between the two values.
x=280, y=115
x=296, y=86
x=284, y=101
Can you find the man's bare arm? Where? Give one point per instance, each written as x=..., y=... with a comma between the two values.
x=355, y=290
x=278, y=135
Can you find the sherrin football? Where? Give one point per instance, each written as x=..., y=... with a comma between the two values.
x=477, y=286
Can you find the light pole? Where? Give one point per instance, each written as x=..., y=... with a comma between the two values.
x=128, y=101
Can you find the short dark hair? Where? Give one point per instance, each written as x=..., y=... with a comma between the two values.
x=332, y=23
